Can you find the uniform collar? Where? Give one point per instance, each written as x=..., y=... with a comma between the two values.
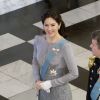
x=97, y=60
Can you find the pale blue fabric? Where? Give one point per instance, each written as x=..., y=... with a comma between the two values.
x=49, y=58
x=95, y=91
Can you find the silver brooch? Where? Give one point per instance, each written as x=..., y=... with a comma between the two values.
x=53, y=72
x=55, y=50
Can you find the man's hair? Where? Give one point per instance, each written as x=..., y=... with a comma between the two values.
x=96, y=36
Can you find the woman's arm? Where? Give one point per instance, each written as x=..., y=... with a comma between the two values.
x=35, y=64
x=70, y=64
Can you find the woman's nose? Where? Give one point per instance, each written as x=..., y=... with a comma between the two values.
x=49, y=28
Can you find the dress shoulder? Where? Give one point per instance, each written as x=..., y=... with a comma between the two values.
x=37, y=38
x=66, y=44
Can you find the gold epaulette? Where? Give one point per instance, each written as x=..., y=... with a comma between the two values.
x=91, y=61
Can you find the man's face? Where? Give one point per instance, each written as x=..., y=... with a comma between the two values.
x=94, y=48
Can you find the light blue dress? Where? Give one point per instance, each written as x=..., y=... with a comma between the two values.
x=62, y=68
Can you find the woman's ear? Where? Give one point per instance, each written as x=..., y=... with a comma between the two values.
x=59, y=26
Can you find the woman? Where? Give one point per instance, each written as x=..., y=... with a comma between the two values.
x=54, y=65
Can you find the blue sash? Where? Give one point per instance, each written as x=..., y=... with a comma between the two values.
x=49, y=58
x=95, y=91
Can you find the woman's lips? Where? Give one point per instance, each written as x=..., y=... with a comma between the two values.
x=49, y=32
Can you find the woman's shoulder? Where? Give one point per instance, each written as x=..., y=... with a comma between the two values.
x=38, y=38
x=67, y=45
x=66, y=42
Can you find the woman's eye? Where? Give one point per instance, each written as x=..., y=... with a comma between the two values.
x=52, y=25
x=45, y=25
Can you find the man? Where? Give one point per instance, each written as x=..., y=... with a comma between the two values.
x=93, y=91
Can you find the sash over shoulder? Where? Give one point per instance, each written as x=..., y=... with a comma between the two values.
x=51, y=54
x=95, y=93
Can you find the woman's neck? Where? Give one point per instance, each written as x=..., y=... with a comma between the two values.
x=53, y=39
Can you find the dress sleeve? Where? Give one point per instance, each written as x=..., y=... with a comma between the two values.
x=70, y=64
x=35, y=64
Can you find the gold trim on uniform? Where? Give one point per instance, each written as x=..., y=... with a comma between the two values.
x=91, y=61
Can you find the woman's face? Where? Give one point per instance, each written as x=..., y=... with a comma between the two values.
x=51, y=27
x=95, y=49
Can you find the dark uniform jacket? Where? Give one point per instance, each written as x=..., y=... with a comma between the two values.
x=93, y=75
